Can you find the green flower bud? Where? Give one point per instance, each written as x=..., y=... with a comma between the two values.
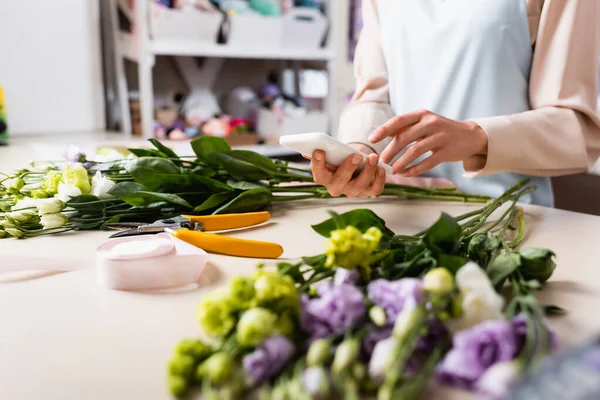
x=3, y=234
x=14, y=232
x=315, y=382
x=345, y=355
x=214, y=314
x=39, y=194
x=319, y=352
x=51, y=182
x=349, y=248
x=218, y=368
x=182, y=366
x=178, y=385
x=537, y=264
x=359, y=371
x=255, y=325
x=286, y=325
x=194, y=348
x=438, y=281
x=77, y=176
x=275, y=290
x=408, y=320
x=378, y=316
x=241, y=292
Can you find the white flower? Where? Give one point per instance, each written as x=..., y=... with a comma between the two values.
x=382, y=357
x=480, y=302
x=74, y=153
x=497, y=379
x=101, y=185
x=315, y=381
x=49, y=206
x=25, y=203
x=111, y=156
x=21, y=216
x=32, y=186
x=66, y=191
x=51, y=221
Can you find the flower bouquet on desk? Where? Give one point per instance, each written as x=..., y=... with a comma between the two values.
x=378, y=314
x=146, y=184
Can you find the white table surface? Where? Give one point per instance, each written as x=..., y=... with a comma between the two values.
x=63, y=337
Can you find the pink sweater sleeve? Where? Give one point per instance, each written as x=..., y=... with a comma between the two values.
x=561, y=134
x=370, y=107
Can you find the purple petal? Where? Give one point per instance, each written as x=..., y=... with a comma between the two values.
x=394, y=296
x=266, y=361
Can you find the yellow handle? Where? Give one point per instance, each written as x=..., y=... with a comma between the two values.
x=229, y=221
x=214, y=243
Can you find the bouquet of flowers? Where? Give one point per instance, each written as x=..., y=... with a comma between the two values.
x=378, y=313
x=148, y=184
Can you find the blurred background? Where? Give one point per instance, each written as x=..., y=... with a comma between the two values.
x=246, y=70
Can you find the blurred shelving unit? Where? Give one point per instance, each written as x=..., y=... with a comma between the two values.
x=143, y=45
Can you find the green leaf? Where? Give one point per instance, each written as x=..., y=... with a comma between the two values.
x=163, y=149
x=451, y=262
x=337, y=219
x=170, y=198
x=362, y=219
x=170, y=183
x=203, y=171
x=246, y=185
x=147, y=153
x=239, y=167
x=248, y=201
x=79, y=202
x=213, y=201
x=444, y=235
x=112, y=220
x=315, y=261
x=292, y=270
x=254, y=158
x=139, y=195
x=502, y=266
x=145, y=169
x=206, y=145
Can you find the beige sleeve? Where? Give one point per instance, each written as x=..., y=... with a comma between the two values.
x=370, y=106
x=561, y=134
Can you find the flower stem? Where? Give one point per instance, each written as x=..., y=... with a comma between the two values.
x=412, y=389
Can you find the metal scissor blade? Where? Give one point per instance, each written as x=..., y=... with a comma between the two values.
x=127, y=233
x=124, y=226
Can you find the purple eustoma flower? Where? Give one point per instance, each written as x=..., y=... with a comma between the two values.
x=337, y=308
x=267, y=360
x=395, y=296
x=475, y=350
x=374, y=337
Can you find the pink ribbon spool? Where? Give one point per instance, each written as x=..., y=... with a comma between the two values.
x=149, y=262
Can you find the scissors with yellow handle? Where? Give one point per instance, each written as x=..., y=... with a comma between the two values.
x=195, y=229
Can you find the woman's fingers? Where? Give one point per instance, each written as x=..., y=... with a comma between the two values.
x=343, y=175
x=377, y=186
x=396, y=124
x=429, y=163
x=428, y=125
x=321, y=174
x=362, y=182
x=415, y=151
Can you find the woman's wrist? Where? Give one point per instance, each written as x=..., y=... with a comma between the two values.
x=480, y=138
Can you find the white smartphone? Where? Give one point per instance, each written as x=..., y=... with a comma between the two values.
x=335, y=151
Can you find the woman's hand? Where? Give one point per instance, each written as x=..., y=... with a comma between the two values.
x=446, y=139
x=342, y=180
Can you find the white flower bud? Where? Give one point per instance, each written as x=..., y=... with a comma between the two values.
x=101, y=185
x=49, y=206
x=52, y=221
